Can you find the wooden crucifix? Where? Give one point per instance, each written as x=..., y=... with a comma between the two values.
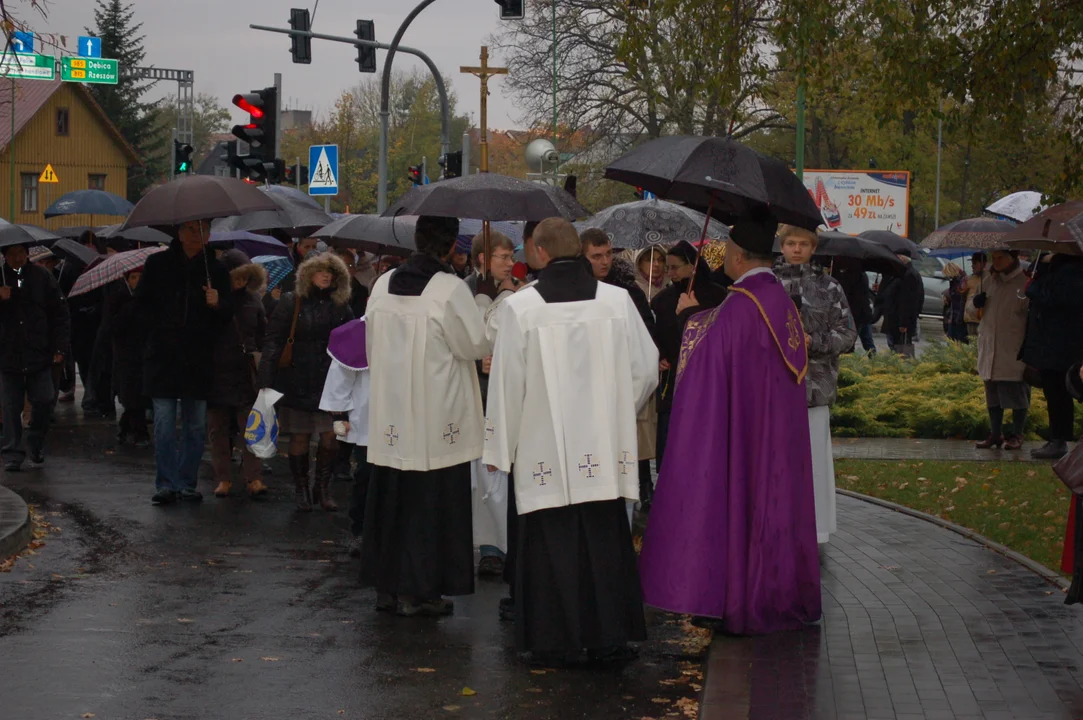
x=484, y=72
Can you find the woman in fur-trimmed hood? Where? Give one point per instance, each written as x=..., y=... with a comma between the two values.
x=319, y=304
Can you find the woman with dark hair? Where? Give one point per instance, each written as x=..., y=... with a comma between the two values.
x=300, y=328
x=672, y=307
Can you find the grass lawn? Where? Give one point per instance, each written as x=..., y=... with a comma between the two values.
x=1021, y=505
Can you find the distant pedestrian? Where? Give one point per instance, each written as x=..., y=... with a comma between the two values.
x=955, y=304
x=235, y=383
x=974, y=282
x=1003, y=310
x=901, y=299
x=34, y=334
x=184, y=302
x=855, y=284
x=128, y=336
x=295, y=363
x=651, y=270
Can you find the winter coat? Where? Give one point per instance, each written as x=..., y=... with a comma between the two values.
x=285, y=285
x=1054, y=338
x=826, y=317
x=1003, y=326
x=321, y=312
x=855, y=285
x=234, y=383
x=128, y=336
x=669, y=325
x=901, y=300
x=34, y=321
x=643, y=281
x=181, y=328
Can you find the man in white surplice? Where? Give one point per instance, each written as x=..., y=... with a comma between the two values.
x=572, y=365
x=424, y=334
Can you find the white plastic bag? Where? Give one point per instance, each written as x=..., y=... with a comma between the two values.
x=261, y=433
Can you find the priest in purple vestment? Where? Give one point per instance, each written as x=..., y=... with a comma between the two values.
x=732, y=533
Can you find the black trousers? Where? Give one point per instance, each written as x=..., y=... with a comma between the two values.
x=1061, y=405
x=361, y=475
x=16, y=389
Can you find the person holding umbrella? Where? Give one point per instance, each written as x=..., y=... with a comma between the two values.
x=974, y=282
x=34, y=335
x=184, y=300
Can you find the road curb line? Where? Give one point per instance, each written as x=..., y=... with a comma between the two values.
x=1037, y=568
x=14, y=540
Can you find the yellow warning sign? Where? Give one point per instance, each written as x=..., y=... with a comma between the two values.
x=48, y=176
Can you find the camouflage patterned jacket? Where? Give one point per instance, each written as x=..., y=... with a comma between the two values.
x=827, y=319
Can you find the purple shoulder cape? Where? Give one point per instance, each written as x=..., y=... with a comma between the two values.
x=347, y=345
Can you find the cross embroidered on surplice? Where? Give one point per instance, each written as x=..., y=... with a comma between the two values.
x=625, y=463
x=588, y=465
x=542, y=473
x=451, y=433
x=391, y=435
x=490, y=430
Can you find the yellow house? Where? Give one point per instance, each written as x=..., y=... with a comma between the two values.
x=58, y=124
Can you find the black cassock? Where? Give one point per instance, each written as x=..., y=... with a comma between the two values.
x=418, y=533
x=576, y=578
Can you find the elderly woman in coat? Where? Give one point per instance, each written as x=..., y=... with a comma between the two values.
x=234, y=385
x=1000, y=336
x=303, y=320
x=829, y=332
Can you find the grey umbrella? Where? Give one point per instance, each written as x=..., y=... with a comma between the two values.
x=488, y=196
x=12, y=235
x=145, y=235
x=643, y=223
x=71, y=250
x=41, y=233
x=198, y=197
x=895, y=243
x=296, y=216
x=371, y=233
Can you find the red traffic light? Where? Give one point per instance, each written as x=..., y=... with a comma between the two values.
x=245, y=102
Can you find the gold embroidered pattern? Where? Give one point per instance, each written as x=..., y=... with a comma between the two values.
x=795, y=337
x=694, y=332
x=799, y=374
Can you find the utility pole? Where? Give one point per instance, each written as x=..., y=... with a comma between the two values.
x=483, y=73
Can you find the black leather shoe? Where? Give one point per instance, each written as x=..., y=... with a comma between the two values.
x=164, y=497
x=1052, y=450
x=188, y=495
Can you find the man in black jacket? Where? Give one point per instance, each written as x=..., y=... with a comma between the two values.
x=902, y=299
x=34, y=333
x=184, y=299
x=855, y=284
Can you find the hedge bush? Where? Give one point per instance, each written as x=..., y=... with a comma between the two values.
x=938, y=396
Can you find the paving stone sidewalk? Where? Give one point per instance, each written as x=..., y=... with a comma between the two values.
x=919, y=622
x=906, y=449
x=15, y=527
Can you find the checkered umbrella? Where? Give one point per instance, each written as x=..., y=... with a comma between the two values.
x=112, y=268
x=277, y=267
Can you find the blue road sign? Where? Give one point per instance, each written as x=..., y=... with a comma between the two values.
x=647, y=195
x=90, y=47
x=323, y=170
x=22, y=42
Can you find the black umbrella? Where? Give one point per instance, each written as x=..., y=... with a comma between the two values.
x=372, y=233
x=872, y=256
x=973, y=233
x=40, y=233
x=74, y=231
x=731, y=180
x=78, y=254
x=895, y=243
x=295, y=213
x=488, y=196
x=145, y=235
x=198, y=197
x=12, y=235
x=89, y=202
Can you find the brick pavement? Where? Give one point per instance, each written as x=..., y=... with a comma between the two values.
x=919, y=622
x=906, y=449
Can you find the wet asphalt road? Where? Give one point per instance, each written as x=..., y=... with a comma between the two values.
x=243, y=610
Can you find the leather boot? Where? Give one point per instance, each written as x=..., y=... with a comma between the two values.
x=993, y=441
x=321, y=487
x=223, y=489
x=299, y=470
x=1052, y=450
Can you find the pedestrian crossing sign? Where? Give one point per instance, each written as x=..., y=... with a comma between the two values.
x=48, y=175
x=323, y=176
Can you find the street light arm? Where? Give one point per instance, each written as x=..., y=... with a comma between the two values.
x=385, y=83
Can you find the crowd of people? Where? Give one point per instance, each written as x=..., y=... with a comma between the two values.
x=525, y=408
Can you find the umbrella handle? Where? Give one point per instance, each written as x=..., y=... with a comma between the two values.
x=702, y=242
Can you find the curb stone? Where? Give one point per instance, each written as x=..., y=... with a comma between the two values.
x=16, y=530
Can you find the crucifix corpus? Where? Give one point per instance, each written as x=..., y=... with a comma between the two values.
x=483, y=73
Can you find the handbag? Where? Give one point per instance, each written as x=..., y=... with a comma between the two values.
x=1070, y=469
x=285, y=360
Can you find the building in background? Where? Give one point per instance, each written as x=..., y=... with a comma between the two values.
x=58, y=124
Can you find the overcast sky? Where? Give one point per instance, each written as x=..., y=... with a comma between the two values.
x=212, y=38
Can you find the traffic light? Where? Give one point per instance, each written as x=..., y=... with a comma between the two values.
x=639, y=193
x=452, y=164
x=366, y=56
x=182, y=158
x=259, y=133
x=414, y=173
x=301, y=46
x=511, y=9
x=292, y=177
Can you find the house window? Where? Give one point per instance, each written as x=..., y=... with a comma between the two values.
x=62, y=121
x=96, y=181
x=30, y=192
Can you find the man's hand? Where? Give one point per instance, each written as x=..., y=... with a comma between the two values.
x=687, y=300
x=58, y=359
x=276, y=293
x=487, y=365
x=664, y=365
x=508, y=283
x=5, y=292
x=808, y=340
x=212, y=296
x=492, y=468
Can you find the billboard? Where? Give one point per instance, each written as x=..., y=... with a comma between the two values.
x=853, y=201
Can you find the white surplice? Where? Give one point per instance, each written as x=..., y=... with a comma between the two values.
x=583, y=369
x=346, y=390
x=425, y=405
